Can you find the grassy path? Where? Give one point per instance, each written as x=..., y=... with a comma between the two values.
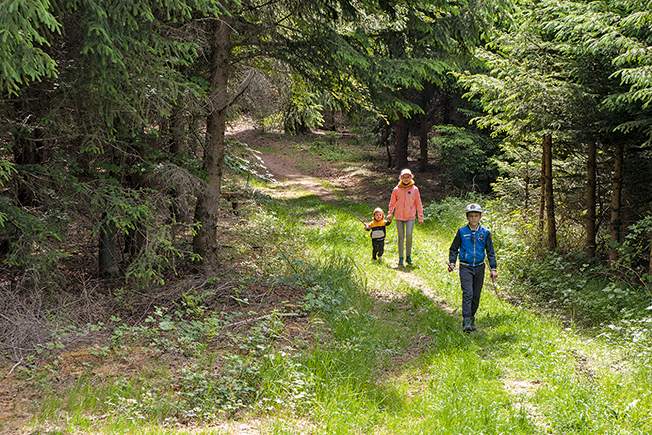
x=401, y=365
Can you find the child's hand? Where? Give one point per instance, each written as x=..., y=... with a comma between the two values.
x=389, y=220
x=366, y=227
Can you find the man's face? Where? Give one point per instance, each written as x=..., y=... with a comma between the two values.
x=474, y=218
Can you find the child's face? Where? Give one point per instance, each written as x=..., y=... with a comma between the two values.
x=473, y=218
x=378, y=215
x=405, y=178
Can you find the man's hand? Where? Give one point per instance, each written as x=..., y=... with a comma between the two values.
x=451, y=267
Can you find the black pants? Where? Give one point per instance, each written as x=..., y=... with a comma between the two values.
x=471, y=280
x=378, y=247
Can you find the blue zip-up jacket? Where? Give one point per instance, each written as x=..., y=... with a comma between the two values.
x=471, y=246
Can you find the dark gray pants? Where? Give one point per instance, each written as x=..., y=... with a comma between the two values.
x=471, y=280
x=378, y=246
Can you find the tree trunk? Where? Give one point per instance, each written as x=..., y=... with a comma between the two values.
x=550, y=200
x=616, y=201
x=108, y=255
x=526, y=180
x=26, y=154
x=402, y=135
x=423, y=141
x=384, y=139
x=178, y=145
x=542, y=197
x=649, y=270
x=205, y=240
x=590, y=199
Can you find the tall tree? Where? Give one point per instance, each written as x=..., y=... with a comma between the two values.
x=205, y=240
x=92, y=110
x=548, y=193
x=591, y=187
x=564, y=83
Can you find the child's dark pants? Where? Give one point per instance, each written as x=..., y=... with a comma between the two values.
x=378, y=247
x=471, y=280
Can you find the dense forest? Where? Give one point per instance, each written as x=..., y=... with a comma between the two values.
x=112, y=110
x=115, y=166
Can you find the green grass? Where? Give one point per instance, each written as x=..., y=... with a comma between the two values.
x=387, y=358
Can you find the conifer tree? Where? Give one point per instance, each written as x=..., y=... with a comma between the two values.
x=556, y=71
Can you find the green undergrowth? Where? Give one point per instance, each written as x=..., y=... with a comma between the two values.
x=387, y=355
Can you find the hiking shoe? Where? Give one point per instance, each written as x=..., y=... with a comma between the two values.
x=380, y=258
x=473, y=328
x=408, y=259
x=400, y=261
x=466, y=325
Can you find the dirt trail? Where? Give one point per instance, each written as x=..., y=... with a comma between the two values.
x=296, y=170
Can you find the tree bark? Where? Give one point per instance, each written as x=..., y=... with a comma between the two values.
x=205, y=241
x=649, y=270
x=384, y=139
x=614, y=223
x=590, y=199
x=178, y=145
x=108, y=255
x=423, y=141
x=550, y=200
x=402, y=135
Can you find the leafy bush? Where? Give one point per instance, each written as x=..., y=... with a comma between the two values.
x=562, y=282
x=465, y=156
x=33, y=239
x=303, y=112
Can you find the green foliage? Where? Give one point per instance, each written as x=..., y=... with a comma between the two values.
x=448, y=214
x=26, y=26
x=245, y=161
x=303, y=112
x=520, y=169
x=634, y=252
x=569, y=286
x=136, y=214
x=463, y=155
x=35, y=240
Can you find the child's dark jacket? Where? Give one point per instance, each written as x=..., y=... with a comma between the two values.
x=471, y=246
x=378, y=229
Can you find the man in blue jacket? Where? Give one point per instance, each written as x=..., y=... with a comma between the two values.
x=471, y=242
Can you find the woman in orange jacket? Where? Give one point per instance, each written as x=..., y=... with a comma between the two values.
x=404, y=205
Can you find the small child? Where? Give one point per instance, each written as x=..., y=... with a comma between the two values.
x=471, y=242
x=378, y=232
